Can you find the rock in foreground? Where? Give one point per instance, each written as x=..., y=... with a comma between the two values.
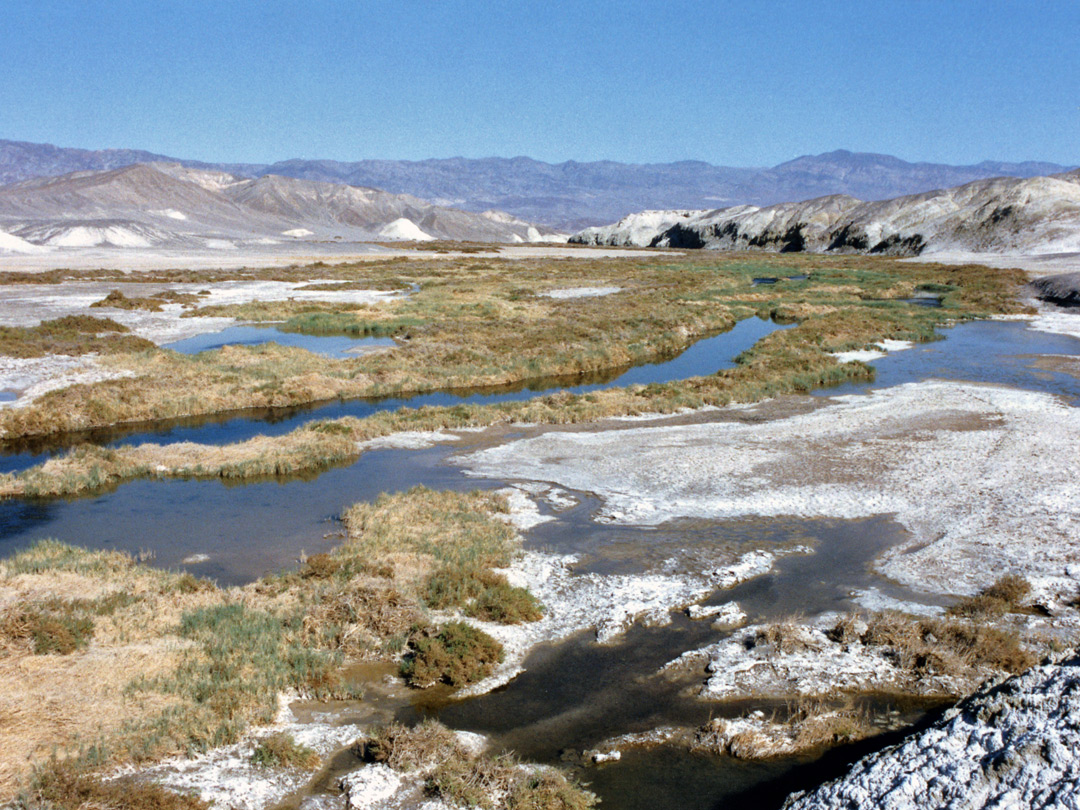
x=1014, y=744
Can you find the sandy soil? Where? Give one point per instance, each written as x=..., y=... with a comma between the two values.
x=1049, y=264
x=280, y=255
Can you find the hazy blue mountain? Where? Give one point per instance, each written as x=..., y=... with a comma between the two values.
x=568, y=195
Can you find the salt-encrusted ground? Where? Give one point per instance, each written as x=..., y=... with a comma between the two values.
x=227, y=778
x=739, y=666
x=27, y=378
x=581, y=292
x=1014, y=745
x=984, y=477
x=29, y=304
x=607, y=604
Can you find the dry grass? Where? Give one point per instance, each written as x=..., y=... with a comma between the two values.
x=1006, y=595
x=70, y=335
x=462, y=777
x=807, y=725
x=60, y=787
x=479, y=322
x=946, y=647
x=786, y=636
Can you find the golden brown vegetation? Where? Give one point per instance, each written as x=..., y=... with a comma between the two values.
x=104, y=660
x=806, y=725
x=463, y=777
x=481, y=322
x=1006, y=595
x=949, y=647
x=70, y=335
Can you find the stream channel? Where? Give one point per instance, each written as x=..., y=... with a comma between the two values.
x=574, y=693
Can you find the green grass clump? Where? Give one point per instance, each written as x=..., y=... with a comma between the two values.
x=282, y=751
x=241, y=661
x=342, y=323
x=456, y=654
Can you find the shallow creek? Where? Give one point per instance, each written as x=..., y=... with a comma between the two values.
x=576, y=693
x=706, y=356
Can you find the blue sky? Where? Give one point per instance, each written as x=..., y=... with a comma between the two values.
x=742, y=83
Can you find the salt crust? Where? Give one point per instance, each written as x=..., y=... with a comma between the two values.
x=1013, y=744
x=31, y=377
x=581, y=292
x=29, y=304
x=609, y=604
x=866, y=355
x=739, y=667
x=967, y=468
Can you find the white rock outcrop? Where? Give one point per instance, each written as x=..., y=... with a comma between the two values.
x=1037, y=215
x=1011, y=745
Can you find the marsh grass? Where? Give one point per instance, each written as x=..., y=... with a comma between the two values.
x=1005, y=595
x=71, y=335
x=464, y=778
x=452, y=543
x=61, y=786
x=474, y=323
x=117, y=300
x=281, y=750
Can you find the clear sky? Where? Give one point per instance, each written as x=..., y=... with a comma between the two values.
x=747, y=83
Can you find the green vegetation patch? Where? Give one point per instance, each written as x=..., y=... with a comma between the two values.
x=456, y=654
x=281, y=750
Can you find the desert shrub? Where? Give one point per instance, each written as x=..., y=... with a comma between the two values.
x=406, y=748
x=548, y=789
x=1003, y=596
x=456, y=654
x=504, y=603
x=282, y=751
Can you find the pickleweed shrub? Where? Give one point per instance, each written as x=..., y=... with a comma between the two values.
x=283, y=751
x=456, y=654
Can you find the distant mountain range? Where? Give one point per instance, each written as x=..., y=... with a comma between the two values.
x=568, y=195
x=1037, y=215
x=169, y=205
